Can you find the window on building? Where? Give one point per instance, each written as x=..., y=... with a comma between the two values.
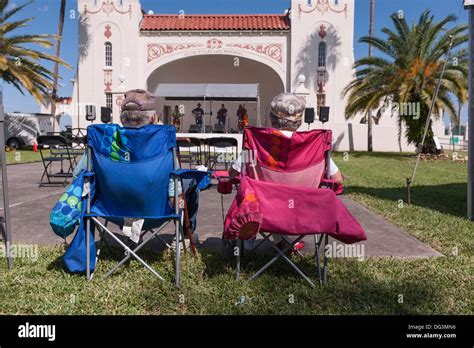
x=108, y=54
x=336, y=2
x=321, y=101
x=322, y=54
x=108, y=100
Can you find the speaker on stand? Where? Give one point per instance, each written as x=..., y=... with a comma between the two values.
x=90, y=113
x=309, y=116
x=323, y=114
x=105, y=115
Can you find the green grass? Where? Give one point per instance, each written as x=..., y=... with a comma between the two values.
x=373, y=286
x=439, y=196
x=22, y=156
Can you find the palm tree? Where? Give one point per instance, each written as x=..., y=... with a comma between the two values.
x=369, y=115
x=408, y=71
x=62, y=11
x=20, y=64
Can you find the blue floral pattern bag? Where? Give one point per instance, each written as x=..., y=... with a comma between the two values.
x=67, y=212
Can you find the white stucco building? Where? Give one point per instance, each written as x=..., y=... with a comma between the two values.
x=122, y=47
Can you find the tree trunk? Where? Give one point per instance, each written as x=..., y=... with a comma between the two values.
x=369, y=116
x=400, y=130
x=458, y=124
x=56, y=65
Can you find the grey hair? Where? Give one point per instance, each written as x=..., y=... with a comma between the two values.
x=136, y=118
x=287, y=105
x=284, y=124
x=287, y=111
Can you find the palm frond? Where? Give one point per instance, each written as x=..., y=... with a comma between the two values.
x=414, y=56
x=5, y=15
x=20, y=63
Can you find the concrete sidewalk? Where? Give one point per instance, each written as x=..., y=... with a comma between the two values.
x=30, y=207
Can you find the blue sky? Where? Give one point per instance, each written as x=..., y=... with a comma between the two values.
x=46, y=14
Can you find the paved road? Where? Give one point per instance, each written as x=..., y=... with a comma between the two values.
x=31, y=206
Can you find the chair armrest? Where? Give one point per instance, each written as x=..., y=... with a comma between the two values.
x=222, y=175
x=338, y=188
x=190, y=174
x=88, y=174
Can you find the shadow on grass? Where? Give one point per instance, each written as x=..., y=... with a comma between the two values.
x=383, y=155
x=447, y=198
x=353, y=287
x=112, y=251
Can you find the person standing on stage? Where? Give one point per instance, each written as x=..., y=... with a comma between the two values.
x=243, y=117
x=177, y=118
x=222, y=116
x=239, y=116
x=198, y=114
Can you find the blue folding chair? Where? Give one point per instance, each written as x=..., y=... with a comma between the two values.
x=128, y=172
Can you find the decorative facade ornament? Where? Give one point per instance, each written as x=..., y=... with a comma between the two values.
x=108, y=32
x=119, y=100
x=320, y=88
x=214, y=44
x=108, y=7
x=322, y=31
x=321, y=80
x=156, y=51
x=322, y=6
x=107, y=80
x=272, y=51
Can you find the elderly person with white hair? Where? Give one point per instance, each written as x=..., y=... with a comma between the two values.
x=138, y=110
x=286, y=115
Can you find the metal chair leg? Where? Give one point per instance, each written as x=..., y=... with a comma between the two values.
x=178, y=251
x=127, y=249
x=88, y=256
x=239, y=252
x=282, y=254
x=317, y=244
x=97, y=255
x=325, y=267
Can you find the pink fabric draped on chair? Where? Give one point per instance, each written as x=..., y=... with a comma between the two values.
x=279, y=190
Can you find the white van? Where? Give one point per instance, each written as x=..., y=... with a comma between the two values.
x=22, y=129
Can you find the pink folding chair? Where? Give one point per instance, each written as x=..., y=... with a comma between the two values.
x=283, y=190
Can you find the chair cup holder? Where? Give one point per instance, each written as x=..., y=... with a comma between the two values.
x=224, y=186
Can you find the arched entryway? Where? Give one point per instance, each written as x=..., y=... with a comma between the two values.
x=219, y=69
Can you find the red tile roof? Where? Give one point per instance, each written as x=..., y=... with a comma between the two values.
x=64, y=100
x=215, y=22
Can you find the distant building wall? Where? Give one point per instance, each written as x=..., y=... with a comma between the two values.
x=318, y=44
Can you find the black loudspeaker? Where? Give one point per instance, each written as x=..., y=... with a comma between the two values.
x=324, y=114
x=193, y=129
x=218, y=128
x=105, y=115
x=309, y=115
x=90, y=112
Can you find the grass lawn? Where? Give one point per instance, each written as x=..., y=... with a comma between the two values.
x=373, y=286
x=22, y=156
